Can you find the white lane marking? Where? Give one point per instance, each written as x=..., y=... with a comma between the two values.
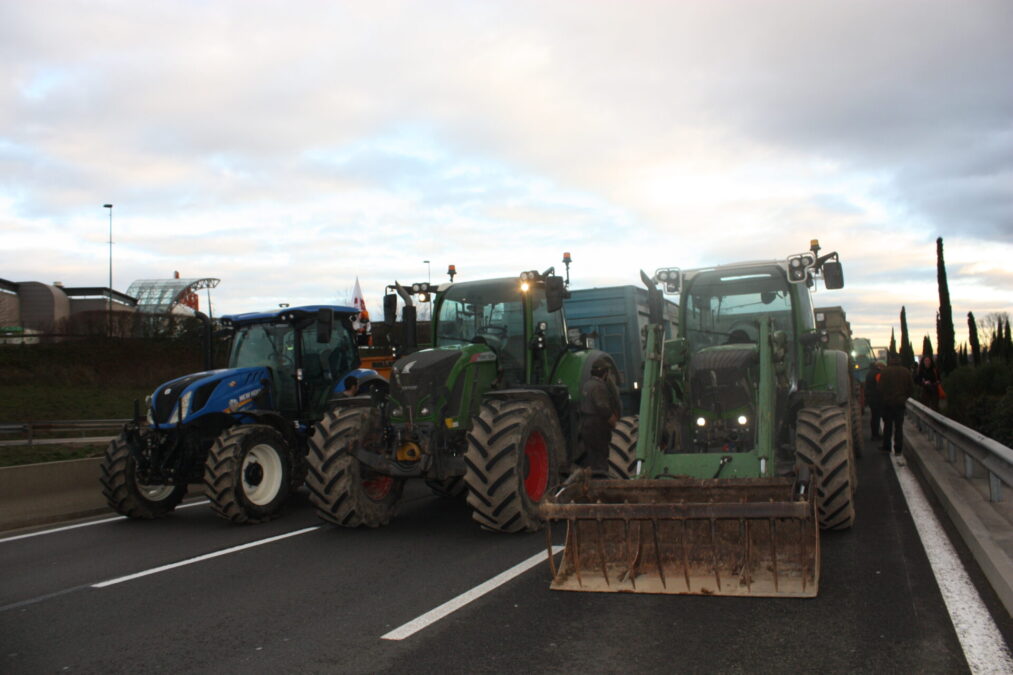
x=88, y=524
x=201, y=558
x=983, y=644
x=451, y=606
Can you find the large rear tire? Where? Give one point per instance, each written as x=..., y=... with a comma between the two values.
x=823, y=442
x=343, y=490
x=248, y=474
x=513, y=456
x=125, y=494
x=623, y=447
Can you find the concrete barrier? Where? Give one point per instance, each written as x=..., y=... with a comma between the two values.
x=35, y=494
x=985, y=527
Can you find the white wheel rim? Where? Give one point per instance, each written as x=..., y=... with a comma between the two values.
x=267, y=457
x=155, y=493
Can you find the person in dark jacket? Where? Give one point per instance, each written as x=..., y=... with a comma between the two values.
x=927, y=378
x=895, y=387
x=600, y=410
x=873, y=399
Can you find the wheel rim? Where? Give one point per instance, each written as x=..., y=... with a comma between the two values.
x=536, y=466
x=377, y=487
x=155, y=493
x=262, y=474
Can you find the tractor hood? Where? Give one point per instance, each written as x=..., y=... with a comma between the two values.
x=421, y=375
x=213, y=391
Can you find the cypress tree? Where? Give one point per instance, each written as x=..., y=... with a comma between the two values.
x=907, y=352
x=1007, y=346
x=944, y=334
x=927, y=347
x=972, y=334
x=893, y=342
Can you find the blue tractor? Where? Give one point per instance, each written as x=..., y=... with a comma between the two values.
x=241, y=431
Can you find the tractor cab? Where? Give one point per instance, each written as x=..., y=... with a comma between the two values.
x=306, y=350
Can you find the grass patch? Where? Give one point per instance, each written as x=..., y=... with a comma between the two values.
x=23, y=454
x=39, y=402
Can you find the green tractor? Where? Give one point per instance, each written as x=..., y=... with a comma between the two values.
x=490, y=408
x=744, y=446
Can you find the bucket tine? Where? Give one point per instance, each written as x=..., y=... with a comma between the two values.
x=657, y=552
x=631, y=570
x=773, y=549
x=685, y=556
x=548, y=546
x=801, y=541
x=714, y=549
x=601, y=553
x=748, y=568
x=571, y=529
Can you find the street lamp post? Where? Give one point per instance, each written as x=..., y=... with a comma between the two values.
x=109, y=300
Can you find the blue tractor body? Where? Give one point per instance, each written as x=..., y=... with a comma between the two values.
x=242, y=430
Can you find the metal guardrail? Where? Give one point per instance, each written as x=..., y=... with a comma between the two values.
x=970, y=448
x=30, y=429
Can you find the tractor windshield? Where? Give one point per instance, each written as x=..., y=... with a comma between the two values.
x=263, y=344
x=726, y=306
x=489, y=313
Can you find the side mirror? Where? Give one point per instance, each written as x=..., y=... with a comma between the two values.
x=833, y=275
x=390, y=309
x=408, y=337
x=325, y=323
x=555, y=293
x=655, y=306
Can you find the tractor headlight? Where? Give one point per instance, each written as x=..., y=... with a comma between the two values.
x=742, y=420
x=525, y=286
x=397, y=412
x=184, y=406
x=424, y=411
x=701, y=421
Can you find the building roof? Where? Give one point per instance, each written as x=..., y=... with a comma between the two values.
x=159, y=296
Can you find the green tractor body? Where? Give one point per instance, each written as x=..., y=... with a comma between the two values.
x=490, y=408
x=744, y=445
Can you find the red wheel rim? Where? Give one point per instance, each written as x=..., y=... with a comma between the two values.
x=536, y=465
x=378, y=487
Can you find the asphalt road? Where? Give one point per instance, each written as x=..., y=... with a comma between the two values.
x=320, y=600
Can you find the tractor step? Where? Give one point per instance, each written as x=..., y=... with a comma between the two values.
x=751, y=536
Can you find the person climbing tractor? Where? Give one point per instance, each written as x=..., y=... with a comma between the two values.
x=600, y=410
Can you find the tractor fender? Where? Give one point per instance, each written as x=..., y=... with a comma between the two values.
x=367, y=377
x=519, y=394
x=278, y=423
x=833, y=375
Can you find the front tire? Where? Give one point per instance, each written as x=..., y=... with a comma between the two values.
x=823, y=442
x=343, y=490
x=513, y=456
x=623, y=447
x=248, y=474
x=125, y=494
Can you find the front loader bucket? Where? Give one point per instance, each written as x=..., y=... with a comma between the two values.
x=749, y=536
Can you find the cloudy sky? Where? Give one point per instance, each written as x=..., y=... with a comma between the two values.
x=288, y=147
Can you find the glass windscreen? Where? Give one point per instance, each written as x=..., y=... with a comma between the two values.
x=727, y=308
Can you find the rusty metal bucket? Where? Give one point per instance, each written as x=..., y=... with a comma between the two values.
x=748, y=536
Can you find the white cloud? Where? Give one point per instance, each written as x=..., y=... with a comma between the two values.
x=288, y=151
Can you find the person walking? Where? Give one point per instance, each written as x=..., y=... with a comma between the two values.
x=927, y=378
x=873, y=398
x=895, y=387
x=600, y=410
